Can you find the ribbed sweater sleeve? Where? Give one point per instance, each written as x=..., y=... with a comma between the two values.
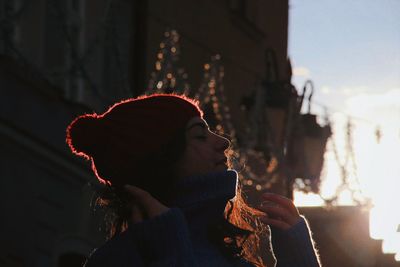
x=294, y=247
x=160, y=241
x=164, y=240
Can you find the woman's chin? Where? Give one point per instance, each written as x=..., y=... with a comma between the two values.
x=221, y=167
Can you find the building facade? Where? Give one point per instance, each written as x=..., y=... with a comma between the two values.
x=64, y=58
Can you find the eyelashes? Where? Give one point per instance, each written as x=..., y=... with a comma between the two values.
x=207, y=132
x=201, y=137
x=204, y=134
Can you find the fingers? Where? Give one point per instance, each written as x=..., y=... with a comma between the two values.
x=280, y=211
x=136, y=214
x=277, y=212
x=281, y=201
x=145, y=202
x=138, y=194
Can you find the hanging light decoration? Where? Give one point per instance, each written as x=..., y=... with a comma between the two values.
x=269, y=109
x=211, y=94
x=167, y=77
x=308, y=145
x=348, y=171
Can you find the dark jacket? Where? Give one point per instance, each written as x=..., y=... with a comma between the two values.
x=179, y=237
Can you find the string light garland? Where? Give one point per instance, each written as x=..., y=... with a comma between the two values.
x=348, y=173
x=211, y=92
x=261, y=169
x=167, y=77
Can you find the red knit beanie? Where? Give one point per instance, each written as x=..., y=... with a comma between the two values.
x=129, y=132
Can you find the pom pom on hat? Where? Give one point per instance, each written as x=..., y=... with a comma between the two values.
x=80, y=130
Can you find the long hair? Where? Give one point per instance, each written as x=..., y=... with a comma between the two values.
x=247, y=240
x=242, y=230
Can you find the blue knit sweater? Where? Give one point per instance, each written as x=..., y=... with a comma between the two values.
x=179, y=237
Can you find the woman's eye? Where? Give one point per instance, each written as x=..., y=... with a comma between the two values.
x=201, y=137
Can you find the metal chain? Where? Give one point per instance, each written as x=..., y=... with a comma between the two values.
x=344, y=170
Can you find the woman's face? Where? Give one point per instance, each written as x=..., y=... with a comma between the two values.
x=204, y=151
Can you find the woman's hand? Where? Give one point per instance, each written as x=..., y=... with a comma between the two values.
x=144, y=205
x=280, y=212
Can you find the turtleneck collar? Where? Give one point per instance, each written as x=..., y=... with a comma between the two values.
x=203, y=199
x=197, y=190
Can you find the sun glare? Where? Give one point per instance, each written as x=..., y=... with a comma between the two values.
x=376, y=170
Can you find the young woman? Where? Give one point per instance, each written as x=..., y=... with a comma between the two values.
x=172, y=199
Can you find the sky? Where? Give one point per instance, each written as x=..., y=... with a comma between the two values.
x=351, y=51
x=345, y=47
